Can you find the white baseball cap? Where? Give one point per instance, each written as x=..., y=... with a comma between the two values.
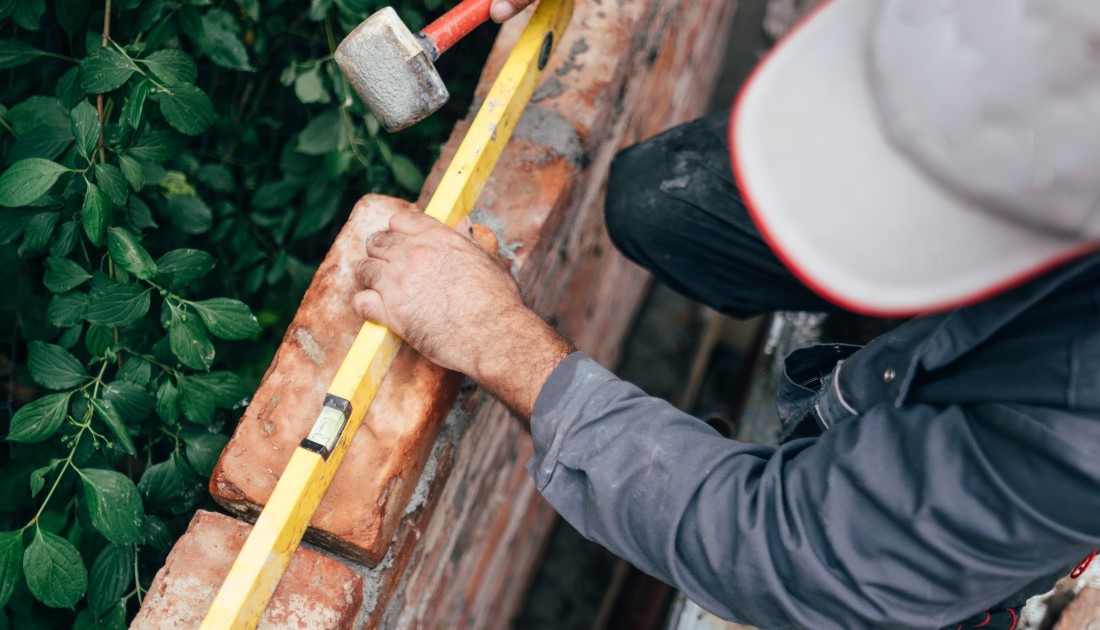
x=909, y=156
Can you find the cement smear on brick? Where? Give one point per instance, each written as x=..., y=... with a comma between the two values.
x=553, y=131
x=549, y=89
x=506, y=249
x=454, y=427
x=309, y=345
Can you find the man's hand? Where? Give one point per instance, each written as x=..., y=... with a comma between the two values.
x=458, y=306
x=503, y=10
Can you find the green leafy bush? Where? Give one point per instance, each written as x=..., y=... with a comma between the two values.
x=170, y=168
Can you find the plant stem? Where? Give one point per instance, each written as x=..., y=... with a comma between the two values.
x=60, y=475
x=137, y=579
x=99, y=99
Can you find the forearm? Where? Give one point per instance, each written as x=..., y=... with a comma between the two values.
x=517, y=358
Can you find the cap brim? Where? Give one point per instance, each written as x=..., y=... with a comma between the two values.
x=847, y=211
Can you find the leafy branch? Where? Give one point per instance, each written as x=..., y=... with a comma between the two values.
x=170, y=178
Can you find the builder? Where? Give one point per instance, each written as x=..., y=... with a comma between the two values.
x=905, y=158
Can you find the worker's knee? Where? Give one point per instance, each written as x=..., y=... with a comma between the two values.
x=633, y=203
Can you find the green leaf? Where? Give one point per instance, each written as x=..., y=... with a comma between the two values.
x=168, y=402
x=11, y=558
x=204, y=449
x=181, y=267
x=104, y=70
x=54, y=570
x=131, y=170
x=67, y=310
x=172, y=66
x=157, y=146
x=113, y=619
x=190, y=22
x=41, y=142
x=117, y=305
x=68, y=89
x=189, y=214
x=71, y=335
x=318, y=9
x=114, y=505
x=196, y=403
x=38, y=476
x=189, y=341
x=406, y=174
x=322, y=134
x=66, y=240
x=187, y=108
x=309, y=88
x=319, y=213
x=113, y=182
x=140, y=215
x=132, y=402
x=275, y=194
x=63, y=275
x=39, y=111
x=111, y=576
x=217, y=177
x=14, y=53
x=12, y=224
x=225, y=389
x=128, y=253
x=38, y=420
x=157, y=534
x=169, y=486
x=85, y=128
x=135, y=104
x=38, y=231
x=135, y=370
x=71, y=15
x=109, y=415
x=53, y=367
x=27, y=180
x=28, y=13
x=227, y=318
x=95, y=214
x=220, y=42
x=98, y=340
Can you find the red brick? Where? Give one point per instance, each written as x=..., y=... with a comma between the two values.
x=359, y=514
x=1083, y=613
x=315, y=592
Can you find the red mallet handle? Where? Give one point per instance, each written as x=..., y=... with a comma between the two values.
x=456, y=24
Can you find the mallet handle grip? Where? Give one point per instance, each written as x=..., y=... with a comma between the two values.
x=456, y=24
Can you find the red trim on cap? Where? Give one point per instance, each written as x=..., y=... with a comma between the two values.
x=816, y=285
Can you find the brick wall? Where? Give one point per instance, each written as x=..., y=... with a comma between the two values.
x=432, y=508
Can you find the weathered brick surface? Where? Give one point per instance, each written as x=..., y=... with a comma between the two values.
x=359, y=513
x=464, y=539
x=316, y=591
x=627, y=71
x=1083, y=613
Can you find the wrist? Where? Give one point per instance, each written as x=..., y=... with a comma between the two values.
x=515, y=363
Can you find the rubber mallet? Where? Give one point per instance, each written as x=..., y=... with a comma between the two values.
x=392, y=69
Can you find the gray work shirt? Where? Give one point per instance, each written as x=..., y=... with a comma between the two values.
x=960, y=467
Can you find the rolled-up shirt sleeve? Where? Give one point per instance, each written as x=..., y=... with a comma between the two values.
x=901, y=518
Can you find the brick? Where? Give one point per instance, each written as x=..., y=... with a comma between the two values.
x=360, y=511
x=315, y=592
x=1083, y=613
